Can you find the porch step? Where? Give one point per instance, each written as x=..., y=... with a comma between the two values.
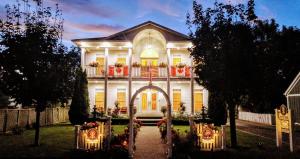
x=149, y=121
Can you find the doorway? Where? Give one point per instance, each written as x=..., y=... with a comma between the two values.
x=149, y=101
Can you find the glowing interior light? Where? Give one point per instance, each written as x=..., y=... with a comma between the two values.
x=149, y=53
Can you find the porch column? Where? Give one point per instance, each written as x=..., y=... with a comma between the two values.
x=129, y=75
x=169, y=130
x=169, y=66
x=192, y=87
x=106, y=78
x=131, y=144
x=82, y=58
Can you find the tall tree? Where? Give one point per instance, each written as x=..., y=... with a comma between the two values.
x=32, y=58
x=222, y=52
x=79, y=109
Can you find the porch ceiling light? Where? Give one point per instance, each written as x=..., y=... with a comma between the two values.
x=149, y=53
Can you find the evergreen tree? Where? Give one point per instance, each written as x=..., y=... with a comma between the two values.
x=79, y=109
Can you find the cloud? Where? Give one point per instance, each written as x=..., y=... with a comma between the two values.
x=266, y=13
x=79, y=7
x=164, y=7
x=78, y=30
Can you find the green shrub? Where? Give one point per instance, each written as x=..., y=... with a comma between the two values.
x=79, y=109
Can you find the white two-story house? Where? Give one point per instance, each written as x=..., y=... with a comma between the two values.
x=120, y=64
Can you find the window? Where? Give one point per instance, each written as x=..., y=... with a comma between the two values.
x=176, y=99
x=176, y=60
x=99, y=99
x=100, y=68
x=100, y=61
x=198, y=101
x=121, y=97
x=121, y=60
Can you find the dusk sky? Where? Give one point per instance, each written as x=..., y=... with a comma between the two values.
x=95, y=18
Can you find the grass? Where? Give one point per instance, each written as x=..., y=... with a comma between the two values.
x=56, y=141
x=182, y=128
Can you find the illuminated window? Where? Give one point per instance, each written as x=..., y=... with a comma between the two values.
x=99, y=99
x=176, y=99
x=198, y=101
x=176, y=60
x=121, y=60
x=121, y=97
x=100, y=68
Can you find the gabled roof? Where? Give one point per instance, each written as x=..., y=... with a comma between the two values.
x=129, y=34
x=292, y=85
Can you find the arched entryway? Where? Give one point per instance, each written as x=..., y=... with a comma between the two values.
x=169, y=118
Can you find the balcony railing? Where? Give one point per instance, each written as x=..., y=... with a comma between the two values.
x=95, y=71
x=144, y=71
x=181, y=71
x=114, y=71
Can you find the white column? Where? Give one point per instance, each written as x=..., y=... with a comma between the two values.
x=168, y=69
x=82, y=59
x=129, y=74
x=192, y=88
x=106, y=78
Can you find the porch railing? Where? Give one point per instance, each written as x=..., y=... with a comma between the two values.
x=95, y=71
x=114, y=71
x=181, y=71
x=144, y=71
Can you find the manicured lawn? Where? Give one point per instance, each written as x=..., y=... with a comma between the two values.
x=56, y=141
x=118, y=129
x=182, y=129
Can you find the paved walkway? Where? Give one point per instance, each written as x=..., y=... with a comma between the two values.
x=148, y=144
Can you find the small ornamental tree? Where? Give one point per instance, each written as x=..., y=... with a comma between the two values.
x=79, y=109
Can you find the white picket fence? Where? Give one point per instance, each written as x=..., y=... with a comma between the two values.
x=216, y=142
x=258, y=118
x=85, y=143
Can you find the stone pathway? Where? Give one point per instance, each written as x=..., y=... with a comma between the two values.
x=148, y=144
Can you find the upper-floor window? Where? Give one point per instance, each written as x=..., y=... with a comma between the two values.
x=121, y=60
x=176, y=60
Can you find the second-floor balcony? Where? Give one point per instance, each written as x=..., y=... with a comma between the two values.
x=139, y=72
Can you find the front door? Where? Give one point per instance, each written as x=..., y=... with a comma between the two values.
x=144, y=102
x=149, y=101
x=153, y=101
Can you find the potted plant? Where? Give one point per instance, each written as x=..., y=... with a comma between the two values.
x=116, y=111
x=118, y=67
x=136, y=64
x=182, y=108
x=162, y=65
x=163, y=109
x=180, y=67
x=93, y=64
